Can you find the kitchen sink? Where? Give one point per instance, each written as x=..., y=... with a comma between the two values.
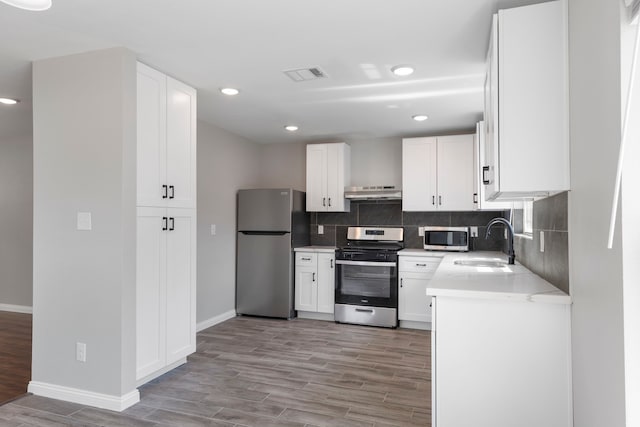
x=481, y=262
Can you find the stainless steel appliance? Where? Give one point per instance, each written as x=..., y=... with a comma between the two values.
x=367, y=277
x=382, y=192
x=271, y=222
x=446, y=238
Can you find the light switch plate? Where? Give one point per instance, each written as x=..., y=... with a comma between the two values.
x=320, y=229
x=421, y=231
x=84, y=221
x=474, y=231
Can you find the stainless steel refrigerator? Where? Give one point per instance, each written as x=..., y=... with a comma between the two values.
x=271, y=222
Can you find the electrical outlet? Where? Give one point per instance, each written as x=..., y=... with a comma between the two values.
x=474, y=231
x=320, y=229
x=84, y=221
x=213, y=229
x=81, y=352
x=541, y=241
x=421, y=231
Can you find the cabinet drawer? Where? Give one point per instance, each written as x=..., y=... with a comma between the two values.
x=306, y=258
x=419, y=265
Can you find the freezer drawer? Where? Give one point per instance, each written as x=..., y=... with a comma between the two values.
x=265, y=275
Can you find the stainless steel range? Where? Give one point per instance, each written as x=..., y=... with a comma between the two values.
x=367, y=276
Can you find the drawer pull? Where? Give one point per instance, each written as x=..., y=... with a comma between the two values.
x=305, y=259
x=421, y=265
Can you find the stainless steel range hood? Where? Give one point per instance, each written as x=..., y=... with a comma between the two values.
x=381, y=192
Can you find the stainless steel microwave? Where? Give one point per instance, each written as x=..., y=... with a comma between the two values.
x=446, y=238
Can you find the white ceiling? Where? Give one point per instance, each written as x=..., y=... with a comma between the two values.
x=248, y=43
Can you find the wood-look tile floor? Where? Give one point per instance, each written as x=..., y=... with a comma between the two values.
x=262, y=372
x=15, y=354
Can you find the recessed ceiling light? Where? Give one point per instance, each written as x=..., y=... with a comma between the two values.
x=291, y=128
x=402, y=70
x=8, y=101
x=420, y=117
x=35, y=5
x=229, y=91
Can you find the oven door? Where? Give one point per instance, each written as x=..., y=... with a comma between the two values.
x=371, y=283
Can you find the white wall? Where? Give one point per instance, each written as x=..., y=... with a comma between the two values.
x=84, y=148
x=630, y=206
x=283, y=166
x=16, y=206
x=376, y=162
x=226, y=163
x=595, y=271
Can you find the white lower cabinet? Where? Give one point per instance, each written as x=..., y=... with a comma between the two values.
x=506, y=362
x=414, y=273
x=165, y=289
x=315, y=282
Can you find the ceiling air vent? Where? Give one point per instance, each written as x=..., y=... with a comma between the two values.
x=304, y=74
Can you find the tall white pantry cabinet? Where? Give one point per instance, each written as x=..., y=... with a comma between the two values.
x=166, y=223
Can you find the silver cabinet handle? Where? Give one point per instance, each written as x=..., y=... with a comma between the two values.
x=401, y=279
x=331, y=263
x=173, y=191
x=421, y=265
x=440, y=200
x=329, y=201
x=305, y=259
x=324, y=201
x=433, y=200
x=164, y=191
x=313, y=277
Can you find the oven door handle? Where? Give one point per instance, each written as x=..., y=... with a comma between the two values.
x=366, y=263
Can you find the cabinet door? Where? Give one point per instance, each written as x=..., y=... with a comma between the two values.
x=316, y=177
x=150, y=291
x=413, y=302
x=181, y=279
x=491, y=177
x=181, y=144
x=479, y=161
x=338, y=157
x=455, y=173
x=326, y=283
x=306, y=288
x=419, y=174
x=151, y=136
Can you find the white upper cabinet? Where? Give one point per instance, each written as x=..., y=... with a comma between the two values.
x=478, y=162
x=166, y=121
x=526, y=126
x=438, y=173
x=328, y=172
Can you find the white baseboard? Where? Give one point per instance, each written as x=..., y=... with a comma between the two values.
x=315, y=316
x=215, y=320
x=160, y=372
x=16, y=308
x=84, y=397
x=410, y=324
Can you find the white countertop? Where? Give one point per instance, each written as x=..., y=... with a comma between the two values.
x=513, y=282
x=316, y=248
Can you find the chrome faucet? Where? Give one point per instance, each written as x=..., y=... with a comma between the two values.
x=507, y=224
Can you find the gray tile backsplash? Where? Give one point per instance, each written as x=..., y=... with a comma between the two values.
x=550, y=217
x=390, y=214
